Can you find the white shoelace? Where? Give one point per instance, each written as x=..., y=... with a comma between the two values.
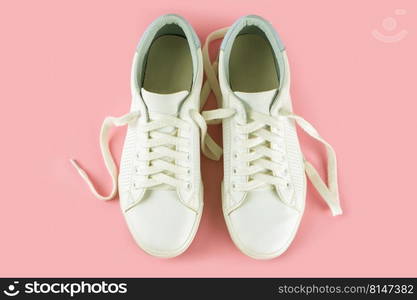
x=161, y=155
x=264, y=165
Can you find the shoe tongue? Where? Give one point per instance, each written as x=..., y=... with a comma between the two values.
x=168, y=104
x=259, y=102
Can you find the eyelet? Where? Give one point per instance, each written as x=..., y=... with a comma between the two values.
x=235, y=155
x=188, y=171
x=234, y=171
x=233, y=186
x=188, y=186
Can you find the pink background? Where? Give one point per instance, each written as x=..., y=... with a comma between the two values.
x=65, y=65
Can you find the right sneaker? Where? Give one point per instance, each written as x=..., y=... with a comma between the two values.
x=264, y=186
x=160, y=187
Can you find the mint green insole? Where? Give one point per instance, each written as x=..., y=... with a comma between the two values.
x=252, y=65
x=169, y=67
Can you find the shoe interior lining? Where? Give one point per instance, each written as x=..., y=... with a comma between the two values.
x=169, y=66
x=252, y=66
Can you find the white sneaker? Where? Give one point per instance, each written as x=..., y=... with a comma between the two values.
x=160, y=188
x=264, y=187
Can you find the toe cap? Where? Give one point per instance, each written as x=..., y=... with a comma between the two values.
x=161, y=224
x=263, y=227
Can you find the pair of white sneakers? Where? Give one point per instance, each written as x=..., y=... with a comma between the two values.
x=264, y=186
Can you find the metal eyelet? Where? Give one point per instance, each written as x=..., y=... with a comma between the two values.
x=188, y=186
x=234, y=171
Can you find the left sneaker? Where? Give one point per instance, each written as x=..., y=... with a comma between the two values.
x=160, y=187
